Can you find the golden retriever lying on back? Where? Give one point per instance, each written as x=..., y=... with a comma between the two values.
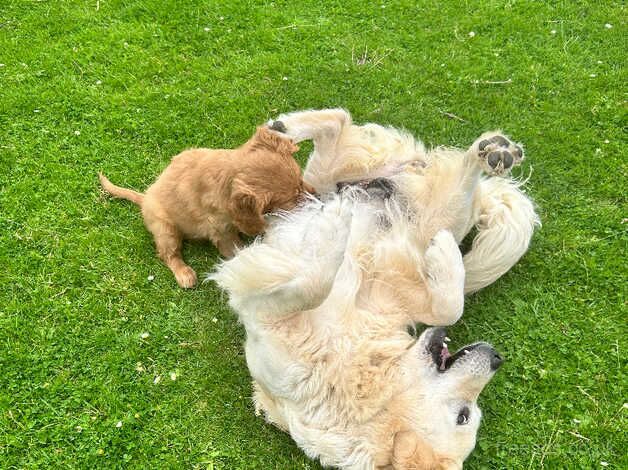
x=327, y=295
x=214, y=194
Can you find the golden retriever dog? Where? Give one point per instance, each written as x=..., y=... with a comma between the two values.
x=327, y=295
x=216, y=194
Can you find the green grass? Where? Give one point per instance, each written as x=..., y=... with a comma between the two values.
x=122, y=86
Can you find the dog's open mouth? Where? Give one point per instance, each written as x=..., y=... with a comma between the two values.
x=440, y=353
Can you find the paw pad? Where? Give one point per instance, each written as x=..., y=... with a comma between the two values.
x=381, y=188
x=500, y=154
x=278, y=126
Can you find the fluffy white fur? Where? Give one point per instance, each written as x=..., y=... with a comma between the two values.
x=326, y=296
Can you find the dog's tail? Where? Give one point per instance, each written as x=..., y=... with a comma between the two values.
x=506, y=223
x=123, y=193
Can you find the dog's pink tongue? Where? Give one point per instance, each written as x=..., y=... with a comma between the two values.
x=444, y=354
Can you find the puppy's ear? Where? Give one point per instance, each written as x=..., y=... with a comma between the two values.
x=412, y=453
x=246, y=209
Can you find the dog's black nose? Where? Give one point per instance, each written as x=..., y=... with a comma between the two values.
x=496, y=360
x=380, y=187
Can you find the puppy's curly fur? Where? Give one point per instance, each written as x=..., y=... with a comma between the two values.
x=217, y=194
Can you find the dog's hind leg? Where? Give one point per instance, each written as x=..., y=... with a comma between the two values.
x=503, y=215
x=453, y=178
x=168, y=241
x=505, y=226
x=461, y=198
x=494, y=154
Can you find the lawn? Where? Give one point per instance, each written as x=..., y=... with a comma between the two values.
x=103, y=367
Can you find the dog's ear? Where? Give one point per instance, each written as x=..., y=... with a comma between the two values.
x=412, y=453
x=246, y=209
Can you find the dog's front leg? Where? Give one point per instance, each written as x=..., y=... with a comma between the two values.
x=322, y=126
x=294, y=270
x=326, y=128
x=445, y=280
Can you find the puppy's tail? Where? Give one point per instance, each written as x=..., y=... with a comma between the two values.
x=117, y=191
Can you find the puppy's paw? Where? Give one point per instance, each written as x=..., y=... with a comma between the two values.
x=186, y=277
x=443, y=260
x=498, y=154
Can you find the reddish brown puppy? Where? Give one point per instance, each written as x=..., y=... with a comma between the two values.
x=217, y=194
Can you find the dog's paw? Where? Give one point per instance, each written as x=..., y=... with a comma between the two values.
x=328, y=231
x=335, y=219
x=338, y=210
x=278, y=126
x=186, y=277
x=499, y=154
x=443, y=260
